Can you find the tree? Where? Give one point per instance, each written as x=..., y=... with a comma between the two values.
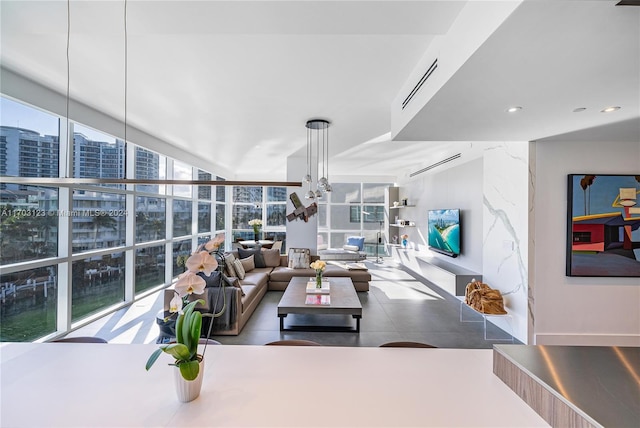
x=101, y=222
x=585, y=182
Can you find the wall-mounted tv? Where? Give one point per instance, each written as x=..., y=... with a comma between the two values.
x=444, y=231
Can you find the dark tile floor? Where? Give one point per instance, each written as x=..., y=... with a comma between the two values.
x=400, y=306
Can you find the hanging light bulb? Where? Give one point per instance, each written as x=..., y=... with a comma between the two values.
x=322, y=184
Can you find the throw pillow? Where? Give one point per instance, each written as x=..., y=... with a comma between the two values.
x=271, y=257
x=237, y=265
x=212, y=280
x=357, y=241
x=233, y=282
x=248, y=264
x=257, y=256
x=228, y=263
x=350, y=247
x=299, y=258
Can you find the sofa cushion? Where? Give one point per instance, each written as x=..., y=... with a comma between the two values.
x=232, y=281
x=237, y=265
x=299, y=258
x=271, y=257
x=355, y=275
x=248, y=264
x=350, y=247
x=284, y=274
x=250, y=294
x=258, y=259
x=357, y=241
x=258, y=276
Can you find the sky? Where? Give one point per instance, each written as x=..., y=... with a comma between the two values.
x=601, y=194
x=20, y=115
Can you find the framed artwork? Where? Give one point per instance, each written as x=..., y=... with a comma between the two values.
x=603, y=230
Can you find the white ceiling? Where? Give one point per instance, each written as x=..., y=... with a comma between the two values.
x=233, y=82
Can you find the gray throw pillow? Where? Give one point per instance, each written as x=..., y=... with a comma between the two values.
x=257, y=256
x=212, y=280
x=248, y=264
x=271, y=257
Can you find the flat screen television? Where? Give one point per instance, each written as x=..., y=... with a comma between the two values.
x=444, y=231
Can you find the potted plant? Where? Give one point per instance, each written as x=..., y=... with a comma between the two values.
x=189, y=363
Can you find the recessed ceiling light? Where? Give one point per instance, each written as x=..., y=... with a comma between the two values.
x=514, y=109
x=609, y=109
x=579, y=109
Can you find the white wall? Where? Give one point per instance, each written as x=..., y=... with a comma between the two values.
x=492, y=193
x=457, y=187
x=578, y=310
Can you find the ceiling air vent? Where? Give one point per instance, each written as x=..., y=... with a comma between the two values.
x=443, y=161
x=423, y=79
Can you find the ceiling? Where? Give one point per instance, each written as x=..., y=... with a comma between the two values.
x=232, y=83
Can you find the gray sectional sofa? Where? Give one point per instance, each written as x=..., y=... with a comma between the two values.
x=244, y=295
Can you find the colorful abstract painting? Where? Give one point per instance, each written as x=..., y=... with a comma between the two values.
x=604, y=225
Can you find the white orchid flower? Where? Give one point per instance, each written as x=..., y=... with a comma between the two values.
x=176, y=304
x=190, y=283
x=202, y=262
x=214, y=243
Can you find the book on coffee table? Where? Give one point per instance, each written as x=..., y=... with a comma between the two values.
x=318, y=299
x=313, y=289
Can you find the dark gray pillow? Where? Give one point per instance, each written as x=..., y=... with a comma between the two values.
x=258, y=259
x=212, y=280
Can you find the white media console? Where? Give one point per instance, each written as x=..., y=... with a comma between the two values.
x=450, y=277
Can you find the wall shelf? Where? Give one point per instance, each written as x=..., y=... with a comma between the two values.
x=401, y=206
x=402, y=225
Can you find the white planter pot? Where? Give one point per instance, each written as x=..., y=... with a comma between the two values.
x=188, y=390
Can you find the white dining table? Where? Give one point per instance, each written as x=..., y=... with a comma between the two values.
x=262, y=242
x=106, y=385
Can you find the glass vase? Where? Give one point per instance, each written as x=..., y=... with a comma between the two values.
x=318, y=279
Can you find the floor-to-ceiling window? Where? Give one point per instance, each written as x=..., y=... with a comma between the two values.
x=267, y=204
x=66, y=252
x=352, y=209
x=29, y=147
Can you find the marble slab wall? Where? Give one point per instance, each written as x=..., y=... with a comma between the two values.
x=505, y=228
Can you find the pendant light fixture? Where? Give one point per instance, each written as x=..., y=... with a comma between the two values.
x=318, y=133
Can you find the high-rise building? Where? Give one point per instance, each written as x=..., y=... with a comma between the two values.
x=26, y=153
x=97, y=159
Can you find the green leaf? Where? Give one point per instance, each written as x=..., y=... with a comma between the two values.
x=189, y=369
x=186, y=324
x=178, y=350
x=152, y=359
x=196, y=327
x=179, y=323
